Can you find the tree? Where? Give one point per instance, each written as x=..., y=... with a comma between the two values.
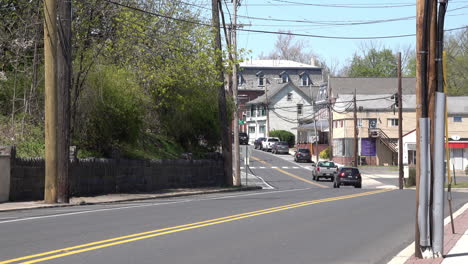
x=373, y=63
x=456, y=46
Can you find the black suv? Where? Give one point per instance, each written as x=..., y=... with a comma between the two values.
x=243, y=138
x=348, y=176
x=302, y=154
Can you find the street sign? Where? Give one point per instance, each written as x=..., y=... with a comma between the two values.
x=241, y=122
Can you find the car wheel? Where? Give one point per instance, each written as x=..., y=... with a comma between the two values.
x=358, y=185
x=335, y=185
x=313, y=178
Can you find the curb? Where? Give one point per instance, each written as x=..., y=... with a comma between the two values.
x=241, y=189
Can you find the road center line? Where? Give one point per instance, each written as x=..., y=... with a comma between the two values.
x=290, y=174
x=159, y=232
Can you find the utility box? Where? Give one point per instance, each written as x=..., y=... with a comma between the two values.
x=5, y=172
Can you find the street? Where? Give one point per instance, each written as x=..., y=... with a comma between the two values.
x=297, y=220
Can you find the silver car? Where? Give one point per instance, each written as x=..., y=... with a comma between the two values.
x=280, y=147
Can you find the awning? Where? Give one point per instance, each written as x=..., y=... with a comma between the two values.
x=458, y=145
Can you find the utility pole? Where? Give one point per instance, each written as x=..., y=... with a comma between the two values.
x=400, y=126
x=64, y=72
x=50, y=78
x=355, y=131
x=236, y=161
x=226, y=147
x=330, y=119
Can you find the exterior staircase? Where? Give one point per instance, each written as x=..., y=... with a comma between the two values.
x=387, y=141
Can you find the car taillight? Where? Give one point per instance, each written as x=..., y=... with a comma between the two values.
x=318, y=168
x=342, y=174
x=359, y=174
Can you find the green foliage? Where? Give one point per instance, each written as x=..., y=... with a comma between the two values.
x=284, y=135
x=325, y=154
x=111, y=111
x=466, y=170
x=374, y=63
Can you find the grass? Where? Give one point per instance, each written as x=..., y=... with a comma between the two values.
x=458, y=185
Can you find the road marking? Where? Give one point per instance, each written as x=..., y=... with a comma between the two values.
x=59, y=253
x=274, y=167
x=262, y=167
x=284, y=167
x=290, y=174
x=295, y=167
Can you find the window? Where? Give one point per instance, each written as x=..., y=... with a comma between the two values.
x=251, y=130
x=304, y=80
x=261, y=80
x=262, y=129
x=359, y=122
x=457, y=119
x=392, y=122
x=373, y=123
x=299, y=109
x=289, y=96
x=285, y=78
x=252, y=111
x=263, y=113
x=341, y=123
x=239, y=79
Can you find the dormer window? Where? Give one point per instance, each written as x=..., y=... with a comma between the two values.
x=289, y=98
x=305, y=81
x=261, y=78
x=284, y=77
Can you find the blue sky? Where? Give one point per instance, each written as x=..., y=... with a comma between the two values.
x=336, y=52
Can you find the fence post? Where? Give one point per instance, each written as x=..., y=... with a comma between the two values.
x=5, y=171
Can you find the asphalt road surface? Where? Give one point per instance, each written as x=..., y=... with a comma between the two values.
x=299, y=221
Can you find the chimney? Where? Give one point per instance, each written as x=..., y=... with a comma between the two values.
x=312, y=62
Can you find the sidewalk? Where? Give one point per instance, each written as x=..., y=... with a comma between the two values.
x=122, y=197
x=455, y=245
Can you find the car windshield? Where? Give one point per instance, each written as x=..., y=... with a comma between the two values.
x=304, y=150
x=349, y=171
x=273, y=140
x=283, y=143
x=327, y=164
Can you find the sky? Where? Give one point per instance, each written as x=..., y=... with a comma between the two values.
x=337, y=19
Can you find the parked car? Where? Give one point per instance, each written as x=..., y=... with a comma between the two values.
x=348, y=176
x=302, y=154
x=243, y=138
x=268, y=143
x=280, y=147
x=258, y=142
x=324, y=169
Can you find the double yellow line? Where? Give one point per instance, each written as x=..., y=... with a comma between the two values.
x=59, y=253
x=290, y=174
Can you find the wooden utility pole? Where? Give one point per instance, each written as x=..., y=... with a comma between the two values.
x=64, y=73
x=235, y=84
x=50, y=78
x=400, y=126
x=355, y=131
x=226, y=147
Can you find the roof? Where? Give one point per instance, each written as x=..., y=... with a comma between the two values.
x=457, y=104
x=276, y=89
x=368, y=85
x=275, y=64
x=372, y=101
x=322, y=125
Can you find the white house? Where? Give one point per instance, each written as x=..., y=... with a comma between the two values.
x=280, y=108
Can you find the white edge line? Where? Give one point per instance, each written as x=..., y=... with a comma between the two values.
x=406, y=253
x=139, y=206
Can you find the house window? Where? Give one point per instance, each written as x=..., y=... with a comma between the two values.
x=263, y=111
x=289, y=96
x=261, y=80
x=359, y=122
x=299, y=109
x=239, y=79
x=262, y=129
x=305, y=80
x=392, y=122
x=373, y=123
x=252, y=130
x=341, y=123
x=252, y=111
x=284, y=78
x=457, y=119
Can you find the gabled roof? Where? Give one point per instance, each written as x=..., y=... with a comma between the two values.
x=368, y=85
x=275, y=64
x=275, y=90
x=372, y=102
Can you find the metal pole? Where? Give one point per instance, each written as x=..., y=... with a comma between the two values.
x=400, y=126
x=50, y=72
x=424, y=191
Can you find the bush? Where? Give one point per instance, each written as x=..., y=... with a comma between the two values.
x=284, y=135
x=325, y=154
x=466, y=170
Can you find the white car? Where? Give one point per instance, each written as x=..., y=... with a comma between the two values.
x=268, y=143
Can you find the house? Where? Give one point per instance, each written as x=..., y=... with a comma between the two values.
x=377, y=117
x=275, y=95
x=457, y=122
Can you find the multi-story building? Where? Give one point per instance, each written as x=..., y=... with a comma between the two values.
x=283, y=90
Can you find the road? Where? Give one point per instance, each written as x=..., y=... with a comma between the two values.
x=296, y=221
